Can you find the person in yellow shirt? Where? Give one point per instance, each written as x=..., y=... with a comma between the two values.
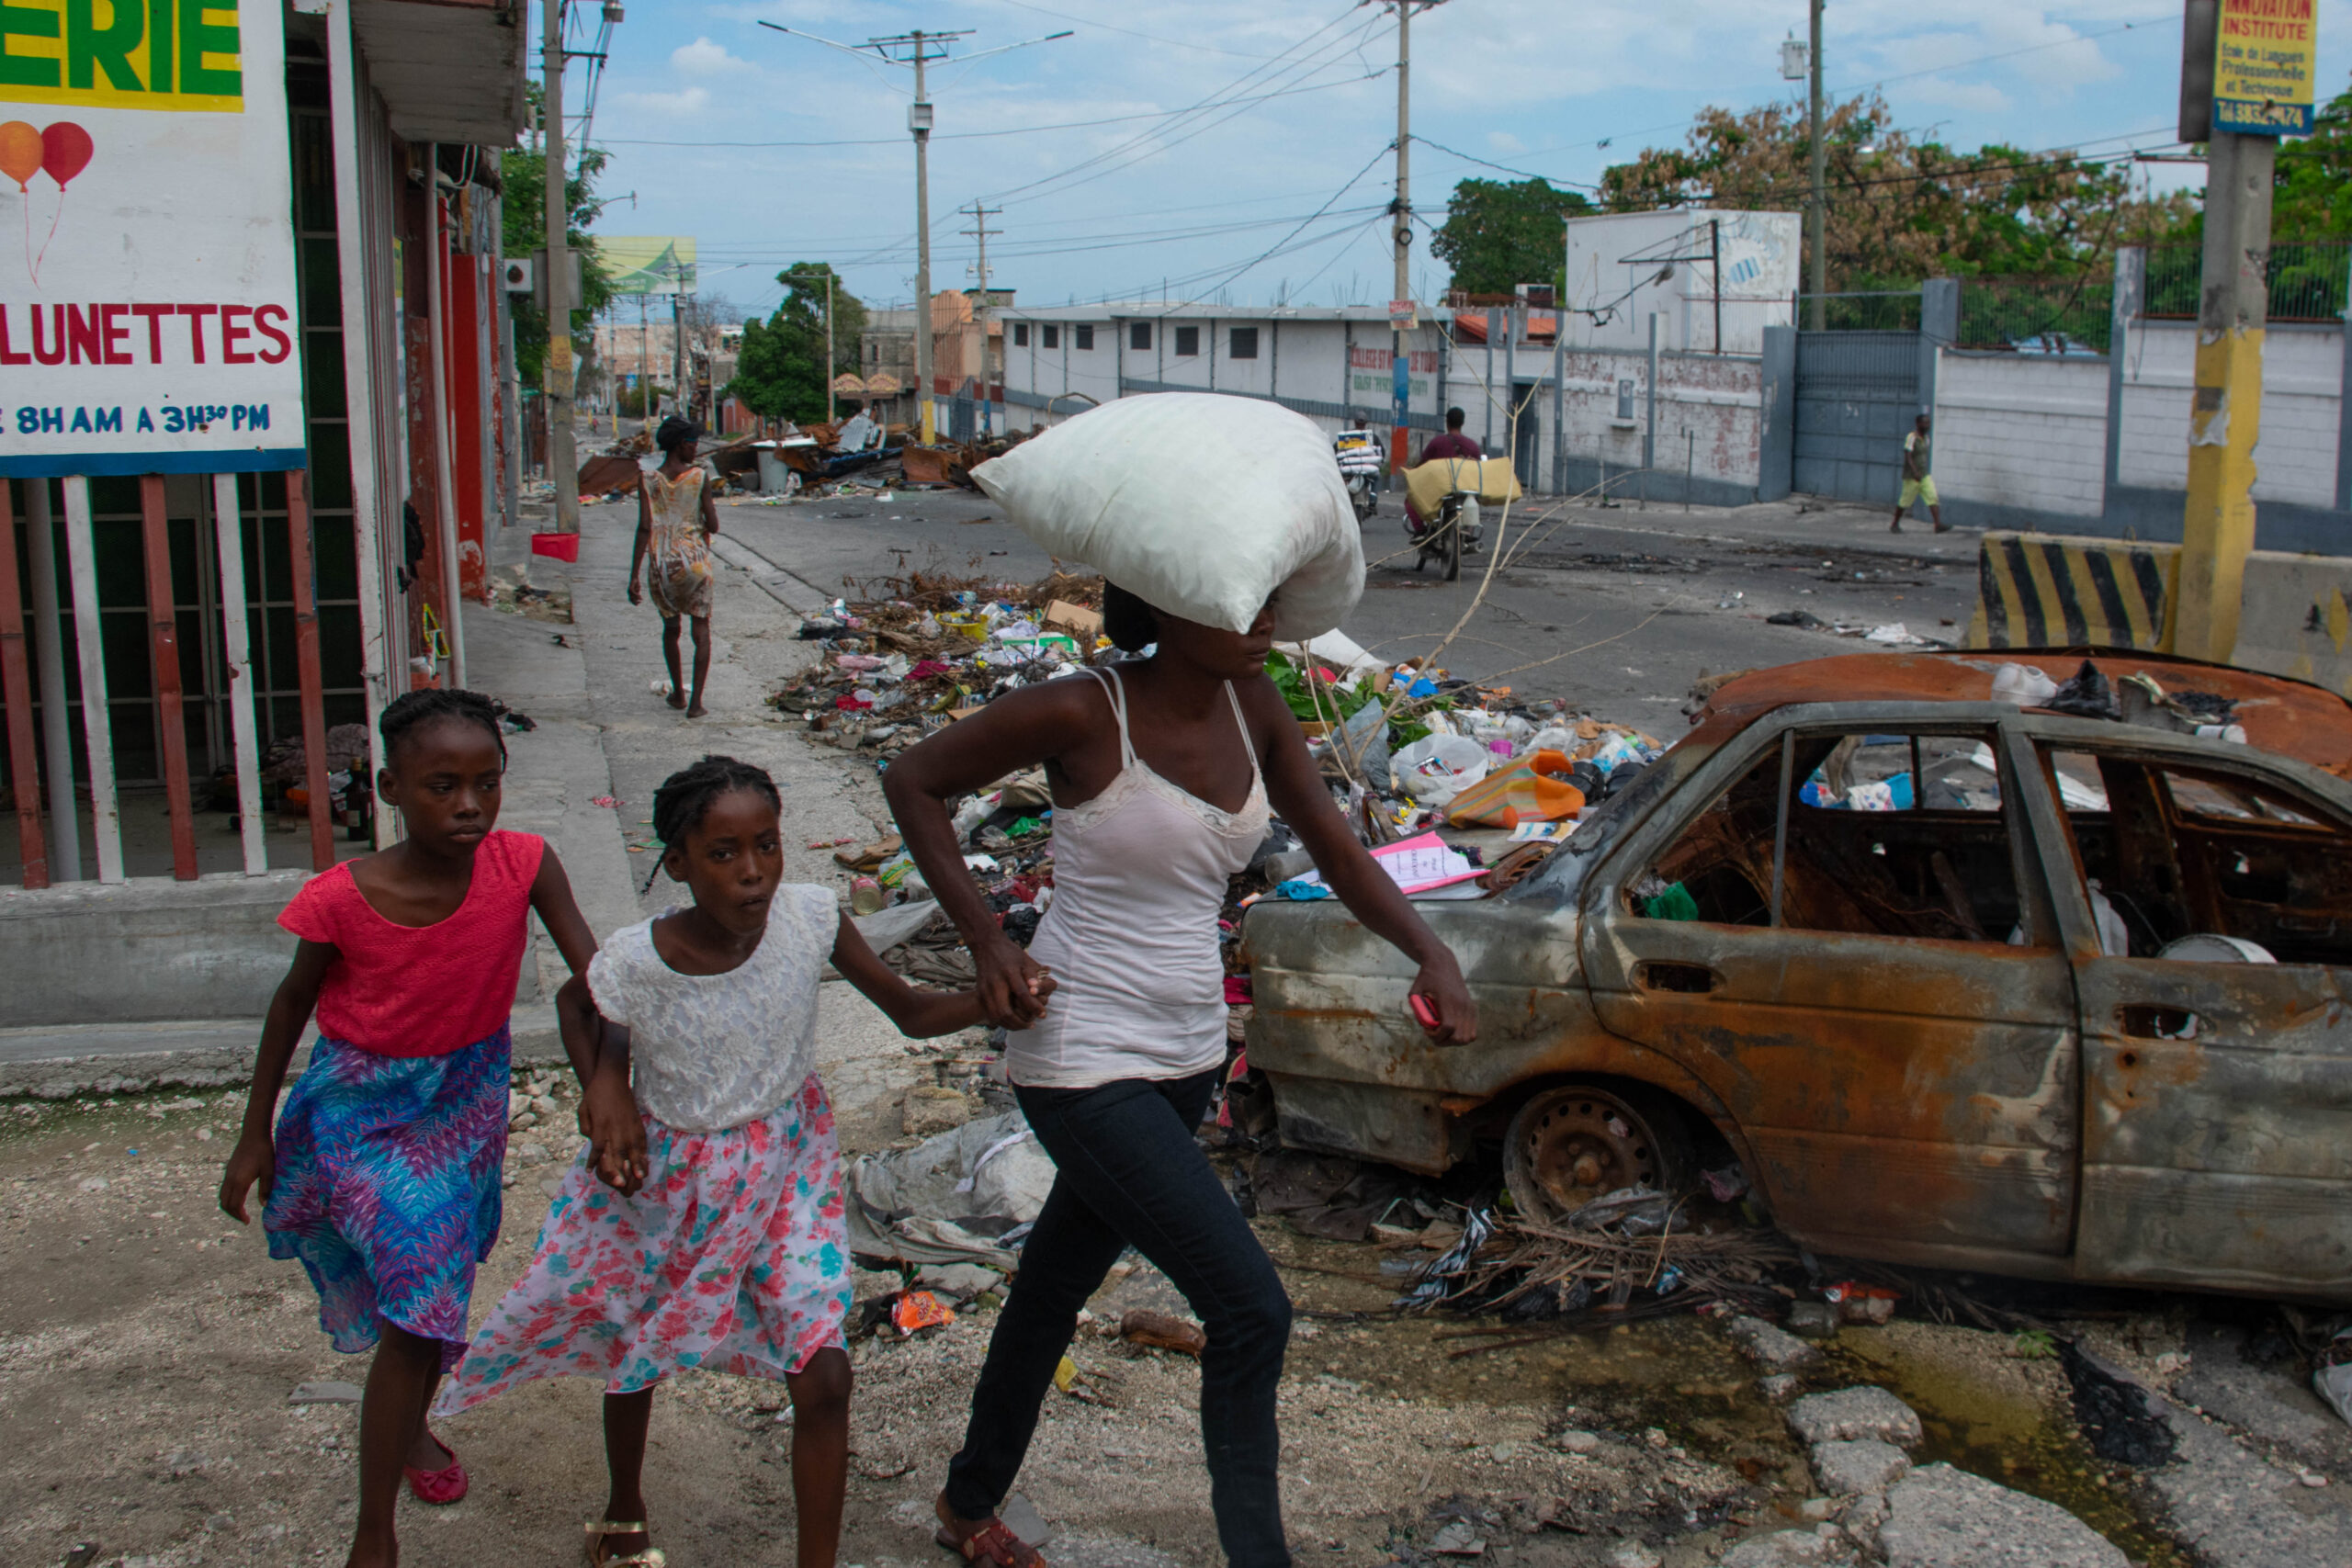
x=1919, y=482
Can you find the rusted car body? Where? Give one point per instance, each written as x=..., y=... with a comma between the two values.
x=1989, y=1028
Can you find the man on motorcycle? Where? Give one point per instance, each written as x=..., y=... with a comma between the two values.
x=1363, y=461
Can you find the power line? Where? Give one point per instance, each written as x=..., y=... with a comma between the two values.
x=976, y=135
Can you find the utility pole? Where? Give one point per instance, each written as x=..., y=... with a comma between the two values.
x=2239, y=116
x=1401, y=210
x=562, y=460
x=1815, y=217
x=922, y=47
x=981, y=230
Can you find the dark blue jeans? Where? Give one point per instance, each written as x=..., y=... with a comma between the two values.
x=1130, y=1174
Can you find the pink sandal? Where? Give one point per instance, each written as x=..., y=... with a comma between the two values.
x=438, y=1488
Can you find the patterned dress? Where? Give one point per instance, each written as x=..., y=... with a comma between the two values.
x=678, y=568
x=734, y=1255
x=388, y=1147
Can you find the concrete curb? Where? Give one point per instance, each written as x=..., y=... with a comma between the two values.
x=64, y=1061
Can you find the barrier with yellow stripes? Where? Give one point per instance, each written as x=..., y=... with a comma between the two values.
x=2052, y=590
x=2049, y=590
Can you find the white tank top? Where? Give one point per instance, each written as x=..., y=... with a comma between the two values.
x=1140, y=880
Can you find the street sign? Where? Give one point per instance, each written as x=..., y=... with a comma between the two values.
x=147, y=303
x=2265, y=67
x=1404, y=314
x=647, y=264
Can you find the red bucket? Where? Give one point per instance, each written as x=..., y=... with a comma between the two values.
x=561, y=547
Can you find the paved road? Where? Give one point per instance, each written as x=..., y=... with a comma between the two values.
x=1621, y=609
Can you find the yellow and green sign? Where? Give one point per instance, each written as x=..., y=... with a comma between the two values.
x=2265, y=67
x=122, y=55
x=647, y=264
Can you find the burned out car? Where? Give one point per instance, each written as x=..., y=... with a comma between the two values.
x=1957, y=983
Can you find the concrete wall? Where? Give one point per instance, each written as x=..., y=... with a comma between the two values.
x=1614, y=265
x=147, y=950
x=1710, y=418
x=2303, y=397
x=2021, y=432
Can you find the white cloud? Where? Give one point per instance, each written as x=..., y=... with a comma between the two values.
x=703, y=58
x=1503, y=141
x=1978, y=97
x=692, y=101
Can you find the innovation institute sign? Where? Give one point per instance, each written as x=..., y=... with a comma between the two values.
x=2265, y=67
x=147, y=272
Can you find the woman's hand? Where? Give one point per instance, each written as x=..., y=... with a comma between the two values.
x=254, y=1160
x=615, y=1131
x=1012, y=986
x=636, y=593
x=1457, y=1015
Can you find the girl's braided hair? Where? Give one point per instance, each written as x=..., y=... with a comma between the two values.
x=411, y=710
x=686, y=797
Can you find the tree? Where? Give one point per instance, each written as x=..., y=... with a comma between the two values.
x=2312, y=196
x=1900, y=210
x=780, y=372
x=1499, y=235
x=523, y=176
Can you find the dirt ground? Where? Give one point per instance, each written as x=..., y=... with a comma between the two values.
x=150, y=1346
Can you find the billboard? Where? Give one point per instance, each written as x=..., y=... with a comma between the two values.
x=647, y=264
x=2265, y=67
x=147, y=292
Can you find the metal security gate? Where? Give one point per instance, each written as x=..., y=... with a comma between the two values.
x=1857, y=395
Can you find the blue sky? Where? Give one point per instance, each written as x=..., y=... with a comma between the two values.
x=1128, y=192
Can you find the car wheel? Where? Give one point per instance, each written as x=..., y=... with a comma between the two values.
x=1571, y=1145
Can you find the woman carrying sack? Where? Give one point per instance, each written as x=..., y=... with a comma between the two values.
x=1163, y=770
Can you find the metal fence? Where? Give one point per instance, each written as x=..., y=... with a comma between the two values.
x=2307, y=281
x=2036, y=315
x=1879, y=310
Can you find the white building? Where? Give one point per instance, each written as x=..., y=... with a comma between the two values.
x=1332, y=364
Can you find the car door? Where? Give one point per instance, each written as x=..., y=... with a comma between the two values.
x=2217, y=1138
x=1878, y=996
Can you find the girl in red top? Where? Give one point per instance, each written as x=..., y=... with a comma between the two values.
x=382, y=1177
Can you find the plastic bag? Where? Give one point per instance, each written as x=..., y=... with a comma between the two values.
x=1534, y=789
x=1203, y=505
x=1435, y=768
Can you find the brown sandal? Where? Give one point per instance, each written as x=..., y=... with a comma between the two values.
x=994, y=1544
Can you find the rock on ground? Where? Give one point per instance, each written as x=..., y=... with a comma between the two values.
x=1942, y=1517
x=1770, y=1347
x=1851, y=1413
x=1851, y=1469
x=1793, y=1549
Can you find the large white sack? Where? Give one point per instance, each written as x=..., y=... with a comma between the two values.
x=1201, y=504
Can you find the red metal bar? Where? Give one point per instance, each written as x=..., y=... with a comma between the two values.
x=306, y=658
x=16, y=690
x=171, y=722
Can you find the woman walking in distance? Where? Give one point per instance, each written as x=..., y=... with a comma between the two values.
x=675, y=522
x=1163, y=771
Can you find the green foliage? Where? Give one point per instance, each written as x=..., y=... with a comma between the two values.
x=780, y=372
x=2034, y=1345
x=1499, y=235
x=2312, y=196
x=525, y=175
x=1900, y=210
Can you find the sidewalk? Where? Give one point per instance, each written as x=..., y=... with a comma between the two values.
x=1798, y=525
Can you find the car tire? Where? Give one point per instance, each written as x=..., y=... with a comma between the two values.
x=1574, y=1143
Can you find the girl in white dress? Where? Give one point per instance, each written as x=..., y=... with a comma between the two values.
x=705, y=1225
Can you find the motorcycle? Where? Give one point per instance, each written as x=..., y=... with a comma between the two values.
x=1360, y=461
x=1457, y=529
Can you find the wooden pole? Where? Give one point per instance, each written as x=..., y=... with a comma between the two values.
x=16, y=690
x=306, y=658
x=163, y=650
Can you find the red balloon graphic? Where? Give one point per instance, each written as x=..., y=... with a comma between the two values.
x=65, y=150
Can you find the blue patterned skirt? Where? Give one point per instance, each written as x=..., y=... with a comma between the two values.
x=387, y=1187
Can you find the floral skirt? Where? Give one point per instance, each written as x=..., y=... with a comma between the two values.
x=734, y=1258
x=388, y=1186
x=681, y=585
